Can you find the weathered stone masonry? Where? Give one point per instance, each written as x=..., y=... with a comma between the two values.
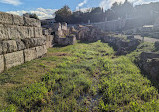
x=21, y=40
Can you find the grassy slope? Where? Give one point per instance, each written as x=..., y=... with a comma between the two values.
x=80, y=77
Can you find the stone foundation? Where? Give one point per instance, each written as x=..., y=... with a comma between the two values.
x=21, y=40
x=149, y=62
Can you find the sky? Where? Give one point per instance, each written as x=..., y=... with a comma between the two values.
x=46, y=8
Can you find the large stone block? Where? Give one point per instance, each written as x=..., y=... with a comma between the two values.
x=33, y=42
x=16, y=32
x=6, y=18
x=9, y=46
x=38, y=32
x=18, y=20
x=1, y=63
x=28, y=32
x=41, y=50
x=20, y=32
x=20, y=45
x=41, y=41
x=13, y=59
x=30, y=54
x=49, y=41
x=4, y=32
x=31, y=22
x=69, y=40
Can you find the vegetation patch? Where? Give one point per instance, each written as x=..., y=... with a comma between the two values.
x=81, y=77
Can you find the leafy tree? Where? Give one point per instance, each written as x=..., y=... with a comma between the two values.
x=63, y=14
x=122, y=10
x=97, y=14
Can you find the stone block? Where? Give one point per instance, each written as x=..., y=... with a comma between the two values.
x=1, y=50
x=148, y=55
x=64, y=26
x=49, y=41
x=4, y=32
x=70, y=40
x=38, y=32
x=28, y=43
x=6, y=18
x=1, y=63
x=9, y=46
x=41, y=41
x=18, y=20
x=20, y=32
x=28, y=32
x=30, y=54
x=33, y=42
x=40, y=51
x=45, y=32
x=31, y=22
x=16, y=32
x=20, y=45
x=13, y=59
x=57, y=27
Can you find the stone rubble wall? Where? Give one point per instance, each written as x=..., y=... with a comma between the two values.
x=149, y=62
x=21, y=40
x=122, y=46
x=59, y=34
x=89, y=33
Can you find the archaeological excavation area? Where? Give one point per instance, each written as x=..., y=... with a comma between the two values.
x=71, y=68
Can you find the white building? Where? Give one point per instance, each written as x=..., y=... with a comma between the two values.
x=47, y=23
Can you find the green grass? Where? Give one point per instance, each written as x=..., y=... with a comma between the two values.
x=81, y=77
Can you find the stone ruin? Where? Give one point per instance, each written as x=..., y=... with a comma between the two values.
x=149, y=62
x=62, y=35
x=89, y=33
x=21, y=40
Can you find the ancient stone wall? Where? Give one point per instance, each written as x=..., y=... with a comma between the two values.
x=120, y=25
x=21, y=40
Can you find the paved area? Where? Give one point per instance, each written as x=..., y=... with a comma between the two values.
x=147, y=39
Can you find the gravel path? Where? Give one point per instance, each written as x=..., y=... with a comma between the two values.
x=147, y=39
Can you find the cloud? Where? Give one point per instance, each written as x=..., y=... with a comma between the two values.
x=81, y=4
x=41, y=12
x=12, y=2
x=105, y=4
x=85, y=9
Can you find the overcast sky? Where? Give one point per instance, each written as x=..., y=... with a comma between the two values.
x=45, y=8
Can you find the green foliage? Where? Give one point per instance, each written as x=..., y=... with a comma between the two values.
x=10, y=108
x=63, y=14
x=28, y=97
x=124, y=85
